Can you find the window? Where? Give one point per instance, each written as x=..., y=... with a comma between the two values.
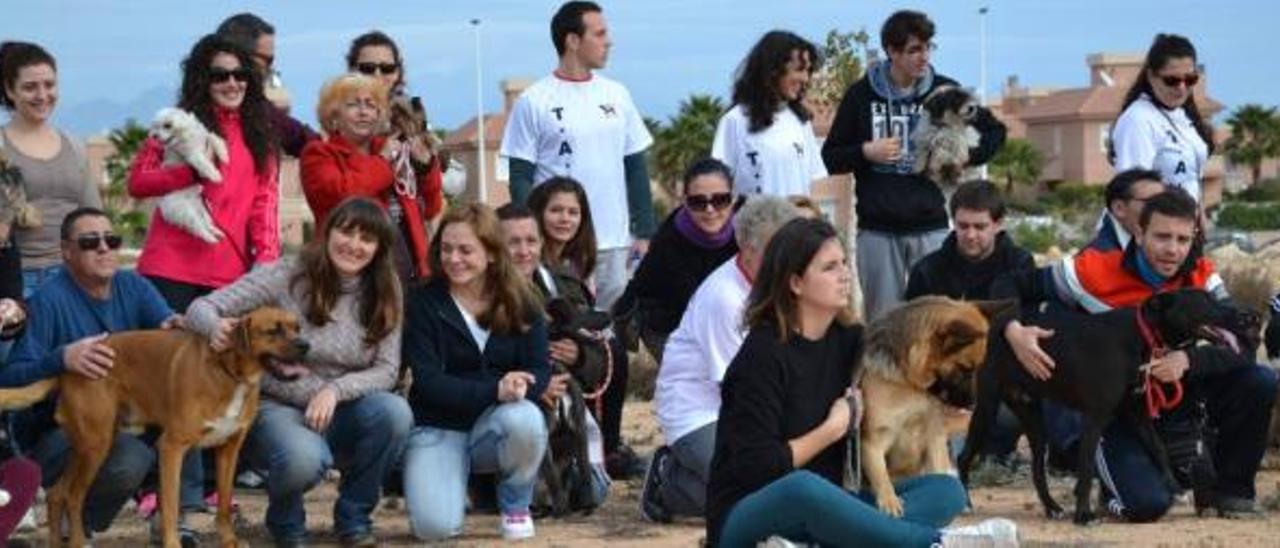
x=1104, y=137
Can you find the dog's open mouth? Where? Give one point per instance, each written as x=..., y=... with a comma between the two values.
x=287, y=371
x=1221, y=336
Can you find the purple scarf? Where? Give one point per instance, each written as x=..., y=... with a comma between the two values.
x=689, y=229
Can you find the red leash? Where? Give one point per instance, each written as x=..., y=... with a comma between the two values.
x=1157, y=398
x=598, y=394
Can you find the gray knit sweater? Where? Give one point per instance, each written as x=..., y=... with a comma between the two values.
x=338, y=356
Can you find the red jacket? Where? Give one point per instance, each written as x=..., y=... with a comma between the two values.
x=1103, y=279
x=245, y=206
x=334, y=170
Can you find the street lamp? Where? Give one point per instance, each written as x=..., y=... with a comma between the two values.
x=982, y=65
x=481, y=159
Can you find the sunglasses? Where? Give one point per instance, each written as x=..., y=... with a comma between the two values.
x=1172, y=81
x=384, y=68
x=221, y=75
x=701, y=202
x=92, y=241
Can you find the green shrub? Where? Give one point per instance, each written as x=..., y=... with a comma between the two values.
x=1036, y=239
x=1266, y=191
x=1074, y=197
x=1242, y=216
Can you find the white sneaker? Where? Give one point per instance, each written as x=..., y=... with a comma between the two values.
x=992, y=533
x=776, y=541
x=517, y=526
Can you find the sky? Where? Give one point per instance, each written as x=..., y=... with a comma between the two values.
x=121, y=59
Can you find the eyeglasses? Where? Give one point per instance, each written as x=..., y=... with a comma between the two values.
x=221, y=75
x=701, y=202
x=93, y=240
x=384, y=68
x=1172, y=81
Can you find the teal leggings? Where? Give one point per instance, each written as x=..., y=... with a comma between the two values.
x=805, y=507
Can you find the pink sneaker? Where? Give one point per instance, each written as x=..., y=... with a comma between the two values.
x=517, y=526
x=148, y=504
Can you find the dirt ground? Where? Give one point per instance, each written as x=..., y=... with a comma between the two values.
x=618, y=523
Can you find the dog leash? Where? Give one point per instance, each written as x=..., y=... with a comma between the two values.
x=853, y=445
x=1157, y=399
x=598, y=394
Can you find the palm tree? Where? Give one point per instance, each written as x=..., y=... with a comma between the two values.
x=1017, y=160
x=123, y=210
x=1255, y=136
x=685, y=138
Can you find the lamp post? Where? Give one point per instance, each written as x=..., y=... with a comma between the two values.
x=982, y=65
x=481, y=159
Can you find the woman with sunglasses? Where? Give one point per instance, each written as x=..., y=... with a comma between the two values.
x=219, y=87
x=693, y=241
x=1160, y=127
x=51, y=164
x=412, y=149
x=355, y=159
x=767, y=136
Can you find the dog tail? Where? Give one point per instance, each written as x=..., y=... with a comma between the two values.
x=26, y=396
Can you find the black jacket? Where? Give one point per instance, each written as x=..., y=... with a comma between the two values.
x=891, y=201
x=945, y=272
x=668, y=275
x=453, y=382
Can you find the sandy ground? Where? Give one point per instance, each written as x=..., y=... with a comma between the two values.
x=618, y=523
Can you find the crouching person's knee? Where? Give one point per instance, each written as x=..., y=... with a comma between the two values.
x=437, y=525
x=1147, y=507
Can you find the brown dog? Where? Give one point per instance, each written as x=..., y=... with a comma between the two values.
x=169, y=378
x=920, y=358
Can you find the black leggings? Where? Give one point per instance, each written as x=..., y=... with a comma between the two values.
x=614, y=398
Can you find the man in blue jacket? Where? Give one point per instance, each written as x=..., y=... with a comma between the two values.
x=70, y=315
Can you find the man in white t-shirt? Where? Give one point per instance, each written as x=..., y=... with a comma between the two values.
x=694, y=363
x=581, y=125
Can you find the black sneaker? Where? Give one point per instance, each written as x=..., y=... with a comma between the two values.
x=651, y=507
x=359, y=540
x=624, y=464
x=1238, y=508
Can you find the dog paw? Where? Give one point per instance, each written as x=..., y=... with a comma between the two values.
x=890, y=504
x=1085, y=518
x=1055, y=513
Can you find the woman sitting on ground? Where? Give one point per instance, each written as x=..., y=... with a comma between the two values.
x=340, y=413
x=694, y=240
x=781, y=436
x=476, y=341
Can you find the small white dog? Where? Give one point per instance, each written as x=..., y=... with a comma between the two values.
x=187, y=141
x=944, y=135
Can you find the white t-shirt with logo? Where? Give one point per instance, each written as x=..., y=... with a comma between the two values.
x=780, y=160
x=581, y=130
x=699, y=351
x=1147, y=136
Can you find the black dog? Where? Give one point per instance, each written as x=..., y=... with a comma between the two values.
x=564, y=479
x=1097, y=371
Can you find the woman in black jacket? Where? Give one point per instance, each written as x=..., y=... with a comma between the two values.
x=693, y=241
x=787, y=406
x=477, y=344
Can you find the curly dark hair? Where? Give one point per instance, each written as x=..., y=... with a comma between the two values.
x=376, y=38
x=255, y=111
x=756, y=86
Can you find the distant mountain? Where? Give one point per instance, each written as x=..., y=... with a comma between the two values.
x=98, y=116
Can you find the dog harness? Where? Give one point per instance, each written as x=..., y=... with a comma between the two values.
x=1157, y=399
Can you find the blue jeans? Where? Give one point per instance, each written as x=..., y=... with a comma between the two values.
x=119, y=477
x=33, y=278
x=805, y=507
x=363, y=440
x=508, y=439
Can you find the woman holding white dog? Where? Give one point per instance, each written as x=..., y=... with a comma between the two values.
x=356, y=160
x=781, y=438
x=223, y=92
x=476, y=340
x=1160, y=127
x=766, y=138
x=340, y=412
x=51, y=163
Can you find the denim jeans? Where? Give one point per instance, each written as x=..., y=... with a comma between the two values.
x=119, y=477
x=685, y=479
x=509, y=439
x=364, y=438
x=33, y=278
x=805, y=507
